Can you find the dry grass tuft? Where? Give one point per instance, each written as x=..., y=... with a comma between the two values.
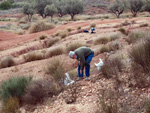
x=40, y=26
x=50, y=42
x=144, y=25
x=43, y=36
x=53, y=52
x=73, y=46
x=7, y=61
x=93, y=25
x=112, y=67
x=56, y=68
x=102, y=40
x=104, y=48
x=32, y=56
x=123, y=31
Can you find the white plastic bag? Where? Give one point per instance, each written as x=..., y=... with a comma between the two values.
x=67, y=80
x=98, y=65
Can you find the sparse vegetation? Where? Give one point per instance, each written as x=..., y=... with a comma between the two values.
x=102, y=40
x=112, y=67
x=36, y=92
x=51, y=41
x=147, y=106
x=134, y=36
x=79, y=27
x=104, y=48
x=144, y=25
x=54, y=51
x=7, y=62
x=56, y=69
x=108, y=102
x=93, y=25
x=123, y=31
x=11, y=105
x=32, y=56
x=43, y=36
x=40, y=26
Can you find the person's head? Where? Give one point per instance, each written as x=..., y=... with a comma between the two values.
x=72, y=54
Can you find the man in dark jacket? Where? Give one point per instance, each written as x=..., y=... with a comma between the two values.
x=84, y=55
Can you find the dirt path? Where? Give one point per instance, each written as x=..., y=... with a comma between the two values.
x=8, y=40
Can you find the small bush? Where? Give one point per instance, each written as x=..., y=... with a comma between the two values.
x=125, y=23
x=93, y=25
x=40, y=26
x=114, y=46
x=5, y=5
x=69, y=29
x=54, y=52
x=114, y=37
x=63, y=34
x=51, y=42
x=112, y=67
x=147, y=106
x=108, y=102
x=43, y=36
x=56, y=69
x=140, y=54
x=104, y=48
x=14, y=87
x=73, y=46
x=35, y=93
x=102, y=40
x=11, y=105
x=32, y=56
x=123, y=31
x=135, y=35
x=79, y=27
x=7, y=62
x=144, y=25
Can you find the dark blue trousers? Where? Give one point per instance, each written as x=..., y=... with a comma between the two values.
x=87, y=66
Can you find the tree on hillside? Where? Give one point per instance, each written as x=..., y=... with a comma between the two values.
x=28, y=9
x=118, y=7
x=73, y=7
x=147, y=6
x=40, y=6
x=135, y=6
x=50, y=10
x=5, y=5
x=60, y=5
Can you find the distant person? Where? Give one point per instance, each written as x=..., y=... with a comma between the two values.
x=84, y=55
x=92, y=30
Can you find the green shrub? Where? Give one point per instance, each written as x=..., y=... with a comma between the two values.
x=54, y=52
x=18, y=4
x=102, y=40
x=7, y=61
x=14, y=87
x=40, y=26
x=32, y=56
x=73, y=46
x=56, y=69
x=5, y=5
x=11, y=105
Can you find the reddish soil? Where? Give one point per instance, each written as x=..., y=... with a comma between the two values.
x=8, y=40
